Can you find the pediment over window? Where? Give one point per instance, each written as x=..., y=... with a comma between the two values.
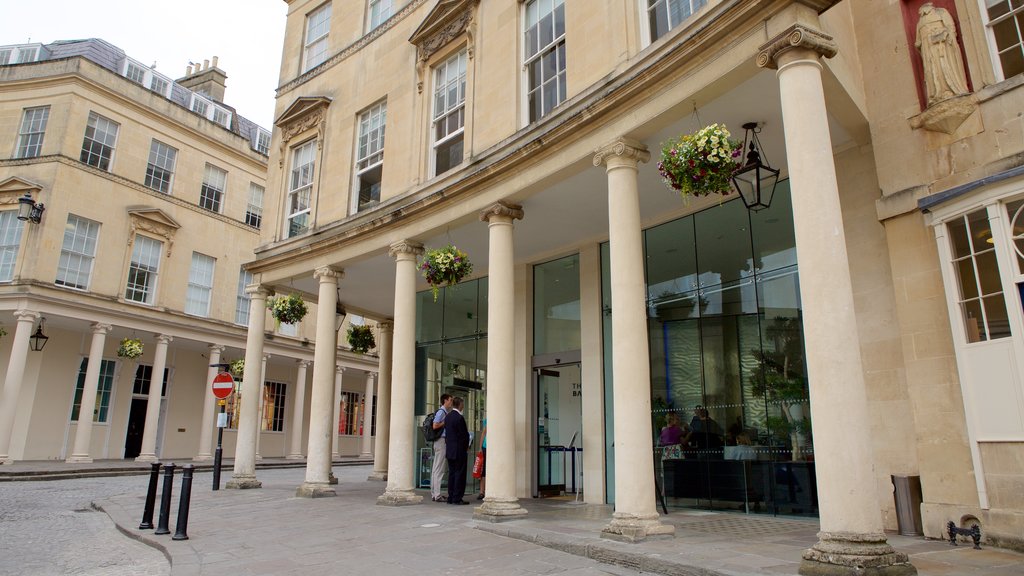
x=445, y=22
x=153, y=221
x=305, y=113
x=14, y=188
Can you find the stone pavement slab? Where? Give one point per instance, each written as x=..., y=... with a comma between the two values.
x=270, y=531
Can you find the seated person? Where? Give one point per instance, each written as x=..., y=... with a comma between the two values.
x=742, y=450
x=705, y=434
x=671, y=433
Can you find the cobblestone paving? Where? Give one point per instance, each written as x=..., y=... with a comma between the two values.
x=50, y=529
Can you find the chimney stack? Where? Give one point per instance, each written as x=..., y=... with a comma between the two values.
x=205, y=79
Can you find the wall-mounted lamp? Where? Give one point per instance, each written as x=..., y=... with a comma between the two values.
x=755, y=180
x=38, y=340
x=29, y=210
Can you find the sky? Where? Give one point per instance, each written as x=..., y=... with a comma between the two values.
x=246, y=35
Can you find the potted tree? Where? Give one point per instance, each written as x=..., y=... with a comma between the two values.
x=781, y=378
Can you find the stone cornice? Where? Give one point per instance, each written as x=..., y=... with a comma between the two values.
x=61, y=159
x=513, y=211
x=796, y=36
x=351, y=48
x=625, y=148
x=405, y=247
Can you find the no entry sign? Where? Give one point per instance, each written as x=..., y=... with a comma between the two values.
x=223, y=385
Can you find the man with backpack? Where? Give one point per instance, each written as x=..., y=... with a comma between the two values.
x=440, y=465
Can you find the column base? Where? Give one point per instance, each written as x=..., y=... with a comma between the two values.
x=241, y=482
x=854, y=554
x=79, y=459
x=378, y=476
x=259, y=458
x=6, y=460
x=499, y=510
x=203, y=458
x=399, y=498
x=636, y=528
x=315, y=490
x=146, y=458
x=295, y=457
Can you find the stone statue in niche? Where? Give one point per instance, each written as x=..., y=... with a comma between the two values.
x=943, y=67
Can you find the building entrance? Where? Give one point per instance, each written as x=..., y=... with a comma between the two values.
x=559, y=430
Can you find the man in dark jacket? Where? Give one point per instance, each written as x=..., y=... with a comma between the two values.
x=457, y=449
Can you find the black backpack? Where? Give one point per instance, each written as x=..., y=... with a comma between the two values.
x=428, y=428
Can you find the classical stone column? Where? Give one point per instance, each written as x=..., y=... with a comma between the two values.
x=635, y=517
x=339, y=371
x=244, y=474
x=402, y=458
x=852, y=540
x=368, y=416
x=298, y=410
x=263, y=404
x=501, y=502
x=318, y=454
x=205, y=453
x=83, y=432
x=156, y=386
x=381, y=439
x=12, y=382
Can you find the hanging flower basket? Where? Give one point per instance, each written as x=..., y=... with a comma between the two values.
x=130, y=348
x=361, y=339
x=445, y=267
x=701, y=163
x=2, y=332
x=237, y=368
x=287, y=309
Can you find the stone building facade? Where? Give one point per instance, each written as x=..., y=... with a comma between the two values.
x=867, y=324
x=150, y=194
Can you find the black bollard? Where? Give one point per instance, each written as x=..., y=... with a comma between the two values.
x=181, y=528
x=147, y=512
x=165, y=500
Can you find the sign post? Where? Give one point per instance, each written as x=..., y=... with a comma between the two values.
x=223, y=386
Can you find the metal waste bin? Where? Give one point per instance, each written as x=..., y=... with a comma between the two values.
x=907, y=490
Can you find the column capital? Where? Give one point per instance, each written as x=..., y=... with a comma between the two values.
x=216, y=348
x=371, y=374
x=405, y=247
x=257, y=291
x=100, y=328
x=304, y=363
x=339, y=369
x=796, y=36
x=327, y=272
x=267, y=357
x=386, y=326
x=623, y=149
x=164, y=338
x=502, y=209
x=27, y=315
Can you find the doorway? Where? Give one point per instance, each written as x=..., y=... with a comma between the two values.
x=559, y=431
x=136, y=425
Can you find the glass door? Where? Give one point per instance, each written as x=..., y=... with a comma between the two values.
x=559, y=429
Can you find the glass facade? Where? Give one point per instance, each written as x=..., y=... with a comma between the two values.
x=451, y=358
x=730, y=408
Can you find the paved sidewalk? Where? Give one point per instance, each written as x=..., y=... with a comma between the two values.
x=269, y=531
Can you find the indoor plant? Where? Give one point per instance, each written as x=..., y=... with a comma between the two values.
x=287, y=309
x=445, y=267
x=701, y=163
x=130, y=348
x=360, y=338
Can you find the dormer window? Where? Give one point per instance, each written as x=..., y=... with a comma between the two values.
x=147, y=77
